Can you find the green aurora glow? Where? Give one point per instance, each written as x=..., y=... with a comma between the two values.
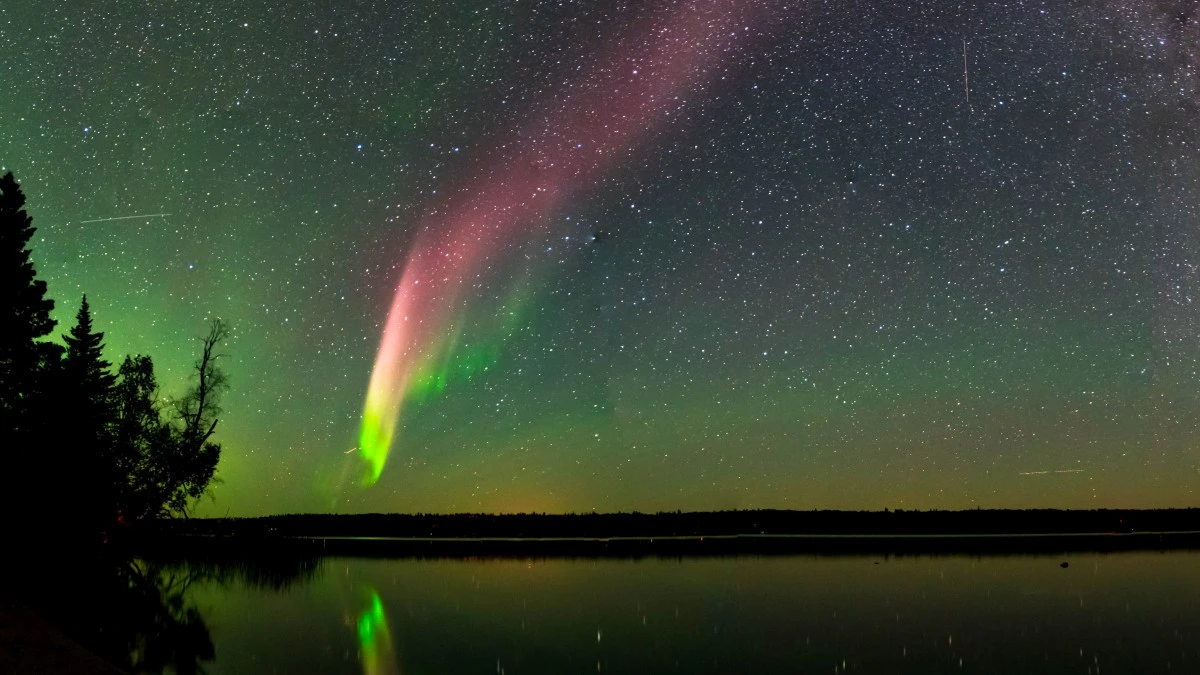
x=826, y=283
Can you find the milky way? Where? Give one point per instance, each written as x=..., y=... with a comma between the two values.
x=665, y=255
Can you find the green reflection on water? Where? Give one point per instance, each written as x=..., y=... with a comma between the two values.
x=375, y=639
x=1129, y=612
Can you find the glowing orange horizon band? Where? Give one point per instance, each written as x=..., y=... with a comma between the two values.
x=574, y=141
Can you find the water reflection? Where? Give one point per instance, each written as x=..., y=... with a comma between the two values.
x=140, y=615
x=1128, y=612
x=1133, y=612
x=375, y=639
x=156, y=627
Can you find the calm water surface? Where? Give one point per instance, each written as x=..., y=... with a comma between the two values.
x=1106, y=613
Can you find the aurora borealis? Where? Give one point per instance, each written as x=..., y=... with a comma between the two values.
x=663, y=255
x=608, y=111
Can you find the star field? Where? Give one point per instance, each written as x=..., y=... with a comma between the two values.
x=831, y=272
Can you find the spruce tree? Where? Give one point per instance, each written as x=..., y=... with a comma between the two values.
x=27, y=369
x=24, y=312
x=87, y=395
x=84, y=363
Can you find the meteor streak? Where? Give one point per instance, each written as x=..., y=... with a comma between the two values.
x=966, y=77
x=143, y=215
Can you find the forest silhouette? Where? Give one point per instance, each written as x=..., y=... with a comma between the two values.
x=87, y=448
x=89, y=451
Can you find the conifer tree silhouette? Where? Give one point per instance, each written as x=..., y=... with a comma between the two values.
x=84, y=363
x=27, y=365
x=24, y=309
x=87, y=396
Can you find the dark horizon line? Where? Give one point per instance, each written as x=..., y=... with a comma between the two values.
x=682, y=524
x=671, y=533
x=680, y=512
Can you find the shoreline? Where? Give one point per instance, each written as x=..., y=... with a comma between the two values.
x=751, y=532
x=670, y=546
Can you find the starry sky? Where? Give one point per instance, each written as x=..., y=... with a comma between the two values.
x=701, y=254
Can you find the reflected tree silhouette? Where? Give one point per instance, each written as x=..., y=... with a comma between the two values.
x=138, y=614
x=162, y=628
x=259, y=572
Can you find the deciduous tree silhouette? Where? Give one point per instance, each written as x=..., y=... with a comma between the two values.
x=197, y=456
x=168, y=463
x=139, y=432
x=200, y=407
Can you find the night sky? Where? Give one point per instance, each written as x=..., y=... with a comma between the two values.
x=706, y=254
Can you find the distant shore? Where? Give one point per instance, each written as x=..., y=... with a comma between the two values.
x=675, y=534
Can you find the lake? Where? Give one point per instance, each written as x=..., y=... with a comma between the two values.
x=1103, y=613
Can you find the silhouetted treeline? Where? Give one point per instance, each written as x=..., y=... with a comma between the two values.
x=83, y=445
x=696, y=524
x=678, y=534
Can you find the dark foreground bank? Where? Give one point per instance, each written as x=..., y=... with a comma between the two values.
x=672, y=534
